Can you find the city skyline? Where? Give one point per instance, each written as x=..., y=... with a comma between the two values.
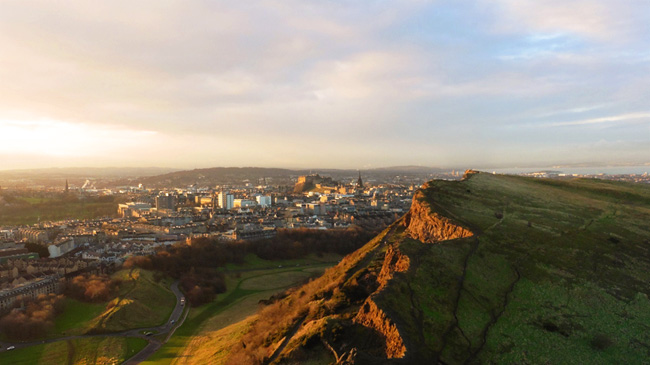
x=329, y=85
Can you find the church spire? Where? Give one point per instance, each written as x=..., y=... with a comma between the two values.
x=67, y=187
x=360, y=182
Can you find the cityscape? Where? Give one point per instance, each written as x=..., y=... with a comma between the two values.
x=151, y=218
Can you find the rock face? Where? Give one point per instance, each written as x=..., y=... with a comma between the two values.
x=394, y=261
x=371, y=316
x=427, y=226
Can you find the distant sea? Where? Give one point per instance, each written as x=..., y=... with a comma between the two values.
x=609, y=170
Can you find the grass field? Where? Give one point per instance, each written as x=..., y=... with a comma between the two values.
x=141, y=302
x=76, y=318
x=110, y=350
x=27, y=210
x=210, y=329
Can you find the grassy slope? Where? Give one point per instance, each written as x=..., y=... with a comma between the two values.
x=111, y=350
x=318, y=301
x=202, y=334
x=557, y=273
x=142, y=302
x=76, y=318
x=568, y=287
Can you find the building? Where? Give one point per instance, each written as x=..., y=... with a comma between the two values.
x=62, y=247
x=16, y=253
x=243, y=203
x=263, y=201
x=32, y=235
x=252, y=234
x=226, y=200
x=50, y=284
x=133, y=209
x=166, y=201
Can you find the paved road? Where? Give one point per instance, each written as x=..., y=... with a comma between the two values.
x=151, y=347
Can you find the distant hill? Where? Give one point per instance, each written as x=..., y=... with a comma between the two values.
x=276, y=176
x=167, y=177
x=492, y=269
x=56, y=177
x=222, y=175
x=86, y=172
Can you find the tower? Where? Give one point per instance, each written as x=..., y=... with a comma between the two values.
x=67, y=188
x=360, y=182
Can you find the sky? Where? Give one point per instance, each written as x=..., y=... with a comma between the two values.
x=330, y=84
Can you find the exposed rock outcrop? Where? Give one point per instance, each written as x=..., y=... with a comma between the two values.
x=427, y=226
x=394, y=261
x=468, y=173
x=371, y=316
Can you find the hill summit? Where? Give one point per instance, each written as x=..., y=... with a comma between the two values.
x=490, y=269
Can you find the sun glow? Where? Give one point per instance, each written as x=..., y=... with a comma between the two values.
x=58, y=138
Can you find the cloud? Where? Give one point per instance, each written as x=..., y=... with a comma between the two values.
x=631, y=117
x=249, y=81
x=599, y=19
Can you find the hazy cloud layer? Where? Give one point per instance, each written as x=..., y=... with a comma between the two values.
x=331, y=84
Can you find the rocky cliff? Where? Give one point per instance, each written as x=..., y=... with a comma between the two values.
x=424, y=224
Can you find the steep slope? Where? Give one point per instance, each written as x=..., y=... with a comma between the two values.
x=493, y=268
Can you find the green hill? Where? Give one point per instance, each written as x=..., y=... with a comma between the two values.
x=491, y=269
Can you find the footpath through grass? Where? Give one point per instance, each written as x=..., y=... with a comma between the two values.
x=141, y=302
x=199, y=335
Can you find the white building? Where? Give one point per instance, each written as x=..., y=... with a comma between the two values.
x=226, y=200
x=133, y=209
x=263, y=201
x=61, y=248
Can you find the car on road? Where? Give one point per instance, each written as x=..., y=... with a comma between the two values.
x=173, y=321
x=11, y=348
x=149, y=333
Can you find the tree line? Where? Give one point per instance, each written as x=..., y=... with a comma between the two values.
x=195, y=265
x=35, y=320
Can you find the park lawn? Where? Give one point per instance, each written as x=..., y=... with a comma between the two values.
x=33, y=201
x=76, y=317
x=108, y=350
x=237, y=304
x=142, y=302
x=51, y=210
